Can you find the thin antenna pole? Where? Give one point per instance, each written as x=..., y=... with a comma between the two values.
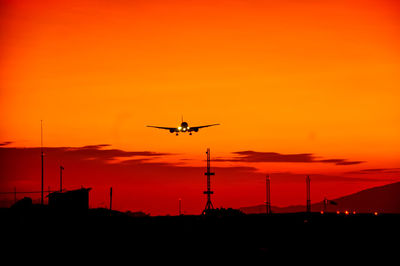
x=41, y=154
x=180, y=206
x=110, y=198
x=268, y=195
x=308, y=194
x=61, y=169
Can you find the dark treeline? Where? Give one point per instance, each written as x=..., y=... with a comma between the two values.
x=228, y=234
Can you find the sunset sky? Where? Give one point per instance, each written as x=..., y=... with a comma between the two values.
x=299, y=87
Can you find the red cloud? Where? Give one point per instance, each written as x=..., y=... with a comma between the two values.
x=262, y=157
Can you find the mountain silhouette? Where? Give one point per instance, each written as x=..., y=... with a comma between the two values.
x=382, y=199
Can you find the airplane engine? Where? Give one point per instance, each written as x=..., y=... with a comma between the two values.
x=196, y=130
x=171, y=130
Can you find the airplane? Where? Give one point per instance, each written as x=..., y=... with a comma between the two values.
x=184, y=127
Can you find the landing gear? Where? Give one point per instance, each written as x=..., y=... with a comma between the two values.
x=177, y=134
x=190, y=133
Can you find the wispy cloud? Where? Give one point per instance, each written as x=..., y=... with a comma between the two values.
x=376, y=171
x=294, y=177
x=5, y=143
x=264, y=157
x=102, y=152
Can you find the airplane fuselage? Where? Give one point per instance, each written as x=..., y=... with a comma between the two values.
x=184, y=127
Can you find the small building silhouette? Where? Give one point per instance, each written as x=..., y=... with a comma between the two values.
x=72, y=200
x=25, y=203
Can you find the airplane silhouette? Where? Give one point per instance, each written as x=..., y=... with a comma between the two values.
x=184, y=127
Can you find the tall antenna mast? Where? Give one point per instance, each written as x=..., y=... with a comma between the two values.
x=41, y=155
x=209, y=205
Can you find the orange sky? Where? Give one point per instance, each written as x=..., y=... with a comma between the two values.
x=291, y=77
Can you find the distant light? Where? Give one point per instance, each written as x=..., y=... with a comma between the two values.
x=322, y=212
x=337, y=212
x=184, y=129
x=375, y=213
x=346, y=212
x=188, y=127
x=354, y=212
x=179, y=128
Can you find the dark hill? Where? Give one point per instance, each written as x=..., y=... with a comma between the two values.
x=383, y=199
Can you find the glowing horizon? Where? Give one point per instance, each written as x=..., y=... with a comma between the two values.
x=282, y=79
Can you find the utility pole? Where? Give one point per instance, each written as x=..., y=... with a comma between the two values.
x=61, y=170
x=110, y=198
x=268, y=196
x=41, y=154
x=308, y=194
x=180, y=206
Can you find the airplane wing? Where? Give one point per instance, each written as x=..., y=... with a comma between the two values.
x=167, y=128
x=197, y=128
